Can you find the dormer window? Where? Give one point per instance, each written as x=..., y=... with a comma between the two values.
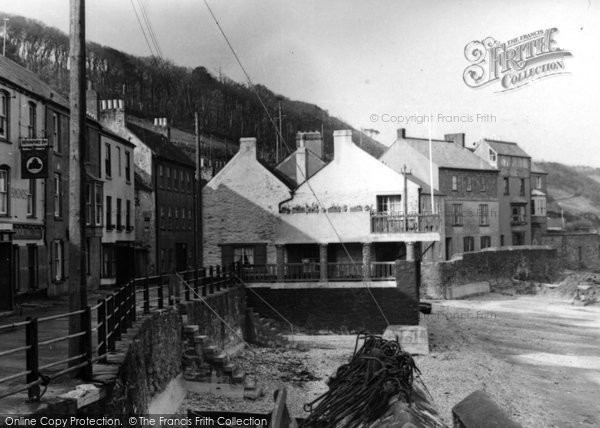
x=492, y=156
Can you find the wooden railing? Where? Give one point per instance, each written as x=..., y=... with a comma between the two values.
x=103, y=323
x=399, y=223
x=303, y=272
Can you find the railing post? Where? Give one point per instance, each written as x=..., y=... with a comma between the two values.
x=196, y=278
x=110, y=322
x=147, y=295
x=123, y=309
x=203, y=282
x=160, y=293
x=117, y=316
x=133, y=303
x=32, y=358
x=218, y=278
x=170, y=291
x=211, y=279
x=187, y=289
x=87, y=371
x=102, y=329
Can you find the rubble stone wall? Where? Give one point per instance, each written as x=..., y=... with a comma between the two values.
x=576, y=250
x=538, y=263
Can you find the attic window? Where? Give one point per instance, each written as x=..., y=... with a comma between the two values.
x=492, y=156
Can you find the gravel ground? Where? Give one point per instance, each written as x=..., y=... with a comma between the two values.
x=538, y=358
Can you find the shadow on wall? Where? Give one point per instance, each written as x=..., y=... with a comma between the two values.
x=536, y=263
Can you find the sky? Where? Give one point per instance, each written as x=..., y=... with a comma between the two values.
x=375, y=64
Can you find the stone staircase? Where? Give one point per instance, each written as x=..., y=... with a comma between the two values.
x=206, y=368
x=265, y=332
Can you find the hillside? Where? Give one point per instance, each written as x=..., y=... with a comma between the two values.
x=575, y=189
x=152, y=88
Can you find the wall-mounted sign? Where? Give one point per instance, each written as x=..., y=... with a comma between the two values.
x=34, y=158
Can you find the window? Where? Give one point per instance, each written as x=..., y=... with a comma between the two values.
x=485, y=241
x=518, y=214
x=161, y=182
x=162, y=217
x=506, y=186
x=538, y=182
x=127, y=165
x=32, y=124
x=484, y=219
x=98, y=205
x=468, y=244
x=56, y=133
x=243, y=255
x=119, y=166
x=88, y=256
x=107, y=161
x=190, y=219
x=31, y=198
x=538, y=206
x=4, y=114
x=119, y=215
x=457, y=215
x=57, y=259
x=128, y=215
x=469, y=183
x=389, y=204
x=483, y=185
x=109, y=261
x=522, y=187
x=169, y=219
x=88, y=203
x=181, y=182
x=109, y=224
x=189, y=182
x=505, y=161
x=492, y=155
x=176, y=218
x=168, y=178
x=57, y=195
x=454, y=183
x=4, y=190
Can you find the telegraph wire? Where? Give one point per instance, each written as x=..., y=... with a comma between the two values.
x=142, y=28
x=150, y=28
x=253, y=88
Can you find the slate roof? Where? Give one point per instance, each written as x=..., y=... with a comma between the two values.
x=160, y=145
x=281, y=176
x=448, y=154
x=29, y=81
x=536, y=169
x=507, y=148
x=425, y=189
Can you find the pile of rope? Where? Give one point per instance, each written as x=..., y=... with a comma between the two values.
x=360, y=391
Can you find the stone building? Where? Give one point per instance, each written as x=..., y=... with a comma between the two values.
x=514, y=188
x=169, y=173
x=539, y=212
x=467, y=187
x=347, y=222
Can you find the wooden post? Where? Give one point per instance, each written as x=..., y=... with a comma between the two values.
x=160, y=293
x=31, y=358
x=110, y=322
x=102, y=329
x=211, y=280
x=88, y=348
x=147, y=296
x=133, y=303
x=117, y=316
x=77, y=177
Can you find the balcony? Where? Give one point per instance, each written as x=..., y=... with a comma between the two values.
x=307, y=272
x=400, y=223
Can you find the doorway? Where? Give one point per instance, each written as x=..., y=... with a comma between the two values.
x=32, y=267
x=6, y=268
x=448, y=248
x=181, y=256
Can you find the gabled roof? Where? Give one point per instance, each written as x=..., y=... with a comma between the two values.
x=425, y=188
x=313, y=164
x=447, y=154
x=278, y=174
x=160, y=145
x=29, y=81
x=536, y=169
x=506, y=148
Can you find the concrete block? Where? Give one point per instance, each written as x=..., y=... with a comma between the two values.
x=466, y=290
x=412, y=338
x=479, y=410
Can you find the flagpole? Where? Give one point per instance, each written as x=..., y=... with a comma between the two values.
x=431, y=168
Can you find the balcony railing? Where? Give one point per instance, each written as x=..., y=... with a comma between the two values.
x=400, y=223
x=303, y=272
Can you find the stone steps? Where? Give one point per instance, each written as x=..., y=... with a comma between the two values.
x=266, y=331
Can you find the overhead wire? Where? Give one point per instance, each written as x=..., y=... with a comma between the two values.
x=253, y=88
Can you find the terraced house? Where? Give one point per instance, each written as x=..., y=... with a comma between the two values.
x=468, y=184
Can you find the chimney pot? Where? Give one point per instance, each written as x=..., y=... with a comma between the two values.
x=156, y=121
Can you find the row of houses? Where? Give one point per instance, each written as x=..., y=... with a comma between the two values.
x=139, y=190
x=350, y=218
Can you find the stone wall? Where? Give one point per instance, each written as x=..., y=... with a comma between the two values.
x=576, y=250
x=230, y=304
x=338, y=309
x=537, y=263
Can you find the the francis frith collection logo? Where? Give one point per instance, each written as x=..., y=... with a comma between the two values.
x=516, y=62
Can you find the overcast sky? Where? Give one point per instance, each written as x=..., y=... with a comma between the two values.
x=362, y=58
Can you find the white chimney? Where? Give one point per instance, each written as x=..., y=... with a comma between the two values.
x=341, y=141
x=248, y=145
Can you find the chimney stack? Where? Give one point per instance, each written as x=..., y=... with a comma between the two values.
x=458, y=138
x=248, y=145
x=111, y=114
x=341, y=140
x=312, y=140
x=401, y=133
